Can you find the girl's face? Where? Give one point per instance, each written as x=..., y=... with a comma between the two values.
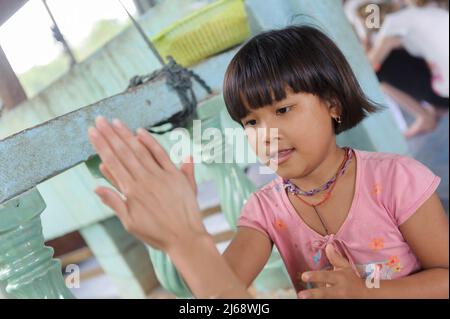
x=292, y=136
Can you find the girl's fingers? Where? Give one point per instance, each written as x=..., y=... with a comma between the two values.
x=187, y=168
x=107, y=156
x=158, y=152
x=316, y=293
x=324, y=277
x=336, y=260
x=120, y=148
x=107, y=174
x=142, y=153
x=113, y=200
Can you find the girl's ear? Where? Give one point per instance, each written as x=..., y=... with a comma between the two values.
x=334, y=108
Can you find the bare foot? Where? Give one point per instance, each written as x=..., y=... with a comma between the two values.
x=424, y=123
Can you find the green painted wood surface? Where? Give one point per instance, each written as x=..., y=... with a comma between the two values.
x=26, y=264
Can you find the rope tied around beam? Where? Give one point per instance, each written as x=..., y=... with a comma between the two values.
x=180, y=80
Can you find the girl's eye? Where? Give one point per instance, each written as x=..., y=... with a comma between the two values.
x=283, y=110
x=250, y=123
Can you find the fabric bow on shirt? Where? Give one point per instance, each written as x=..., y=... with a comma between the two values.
x=339, y=245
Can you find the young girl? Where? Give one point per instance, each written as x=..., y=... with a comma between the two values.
x=347, y=223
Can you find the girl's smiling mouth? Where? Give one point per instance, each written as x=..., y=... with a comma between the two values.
x=281, y=156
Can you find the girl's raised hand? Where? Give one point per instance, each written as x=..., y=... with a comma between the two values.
x=341, y=282
x=157, y=201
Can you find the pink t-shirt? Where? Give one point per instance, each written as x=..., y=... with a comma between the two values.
x=389, y=189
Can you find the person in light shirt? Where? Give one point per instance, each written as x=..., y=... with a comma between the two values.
x=420, y=87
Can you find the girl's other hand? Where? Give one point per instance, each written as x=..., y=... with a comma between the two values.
x=341, y=282
x=157, y=201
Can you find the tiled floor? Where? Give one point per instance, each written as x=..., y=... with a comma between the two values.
x=430, y=149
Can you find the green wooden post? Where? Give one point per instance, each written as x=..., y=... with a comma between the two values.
x=26, y=264
x=167, y=274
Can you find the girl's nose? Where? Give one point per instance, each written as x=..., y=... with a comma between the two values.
x=271, y=139
x=271, y=135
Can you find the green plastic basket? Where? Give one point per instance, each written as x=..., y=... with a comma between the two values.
x=204, y=33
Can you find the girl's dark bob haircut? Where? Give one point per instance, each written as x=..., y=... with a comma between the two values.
x=301, y=58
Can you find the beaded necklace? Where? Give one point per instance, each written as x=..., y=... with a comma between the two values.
x=292, y=188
